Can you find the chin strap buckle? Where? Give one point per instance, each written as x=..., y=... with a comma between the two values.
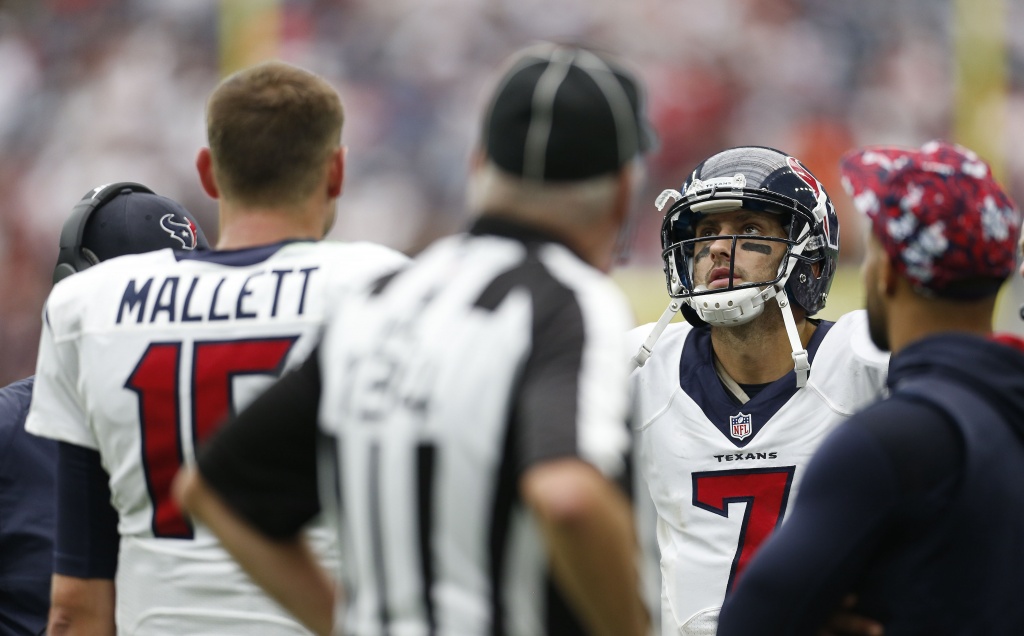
x=641, y=356
x=801, y=363
x=802, y=366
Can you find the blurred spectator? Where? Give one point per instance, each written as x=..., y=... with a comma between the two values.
x=103, y=90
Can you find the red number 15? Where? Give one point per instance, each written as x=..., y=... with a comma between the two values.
x=156, y=381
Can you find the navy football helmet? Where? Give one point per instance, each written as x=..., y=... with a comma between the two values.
x=765, y=180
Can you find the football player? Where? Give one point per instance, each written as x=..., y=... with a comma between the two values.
x=730, y=404
x=141, y=358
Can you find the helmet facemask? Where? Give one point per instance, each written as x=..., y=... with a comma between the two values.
x=734, y=303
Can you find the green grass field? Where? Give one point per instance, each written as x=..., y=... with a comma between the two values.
x=645, y=288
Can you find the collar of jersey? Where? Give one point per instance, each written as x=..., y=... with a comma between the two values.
x=698, y=379
x=237, y=258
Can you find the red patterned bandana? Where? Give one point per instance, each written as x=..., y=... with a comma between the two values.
x=938, y=213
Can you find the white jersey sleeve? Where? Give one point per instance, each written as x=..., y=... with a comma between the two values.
x=55, y=398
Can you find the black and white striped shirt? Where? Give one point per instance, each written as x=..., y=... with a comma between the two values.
x=495, y=350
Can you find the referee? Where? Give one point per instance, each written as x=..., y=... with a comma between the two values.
x=475, y=401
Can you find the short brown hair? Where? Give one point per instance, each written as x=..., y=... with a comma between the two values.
x=271, y=129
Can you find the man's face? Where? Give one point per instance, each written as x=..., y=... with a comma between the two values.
x=756, y=260
x=878, y=321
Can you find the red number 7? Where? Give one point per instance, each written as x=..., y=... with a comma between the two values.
x=156, y=381
x=764, y=490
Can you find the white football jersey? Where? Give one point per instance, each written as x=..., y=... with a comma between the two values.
x=141, y=358
x=721, y=475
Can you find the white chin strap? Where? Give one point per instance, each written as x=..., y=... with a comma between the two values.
x=801, y=364
x=726, y=309
x=648, y=346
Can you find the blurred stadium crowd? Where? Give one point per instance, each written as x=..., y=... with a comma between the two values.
x=94, y=91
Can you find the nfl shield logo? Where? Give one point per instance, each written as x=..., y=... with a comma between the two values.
x=739, y=425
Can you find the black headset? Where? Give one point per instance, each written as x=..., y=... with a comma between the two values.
x=72, y=258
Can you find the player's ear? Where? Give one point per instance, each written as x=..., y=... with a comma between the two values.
x=204, y=165
x=336, y=172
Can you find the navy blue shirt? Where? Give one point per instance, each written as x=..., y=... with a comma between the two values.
x=27, y=474
x=35, y=540
x=916, y=505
